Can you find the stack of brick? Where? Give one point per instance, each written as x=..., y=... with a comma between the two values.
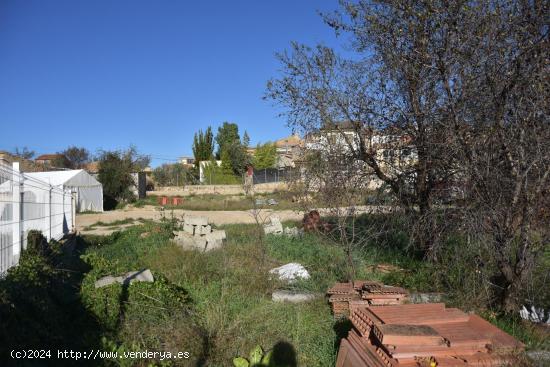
x=198, y=234
x=423, y=335
x=343, y=297
x=383, y=295
x=167, y=200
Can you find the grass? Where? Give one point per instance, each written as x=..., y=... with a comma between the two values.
x=225, y=202
x=218, y=305
x=230, y=288
x=232, y=293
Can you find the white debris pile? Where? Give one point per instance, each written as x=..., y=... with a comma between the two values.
x=534, y=314
x=290, y=272
x=198, y=234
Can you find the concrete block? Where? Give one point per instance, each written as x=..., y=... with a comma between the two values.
x=182, y=234
x=213, y=244
x=275, y=220
x=139, y=276
x=196, y=221
x=292, y=297
x=293, y=232
x=203, y=230
x=105, y=281
x=191, y=242
x=275, y=227
x=216, y=235
x=189, y=228
x=130, y=277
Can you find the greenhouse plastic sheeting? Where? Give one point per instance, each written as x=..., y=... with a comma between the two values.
x=89, y=191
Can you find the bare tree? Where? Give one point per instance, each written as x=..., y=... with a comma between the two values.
x=502, y=131
x=335, y=182
x=465, y=86
x=76, y=157
x=389, y=95
x=24, y=153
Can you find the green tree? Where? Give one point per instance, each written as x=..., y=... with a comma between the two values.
x=246, y=139
x=226, y=162
x=76, y=158
x=172, y=175
x=220, y=175
x=238, y=158
x=203, y=146
x=228, y=134
x=231, y=150
x=115, y=174
x=265, y=156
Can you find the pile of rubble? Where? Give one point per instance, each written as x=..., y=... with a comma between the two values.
x=290, y=272
x=423, y=335
x=198, y=234
x=342, y=296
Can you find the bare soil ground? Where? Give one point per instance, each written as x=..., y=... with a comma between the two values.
x=218, y=217
x=153, y=213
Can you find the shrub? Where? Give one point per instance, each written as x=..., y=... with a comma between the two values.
x=38, y=296
x=112, y=302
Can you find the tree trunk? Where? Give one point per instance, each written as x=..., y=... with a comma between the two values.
x=511, y=302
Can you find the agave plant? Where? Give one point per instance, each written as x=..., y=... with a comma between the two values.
x=257, y=358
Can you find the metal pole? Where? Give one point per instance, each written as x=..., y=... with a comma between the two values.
x=50, y=215
x=17, y=214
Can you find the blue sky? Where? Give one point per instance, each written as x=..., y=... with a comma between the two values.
x=106, y=74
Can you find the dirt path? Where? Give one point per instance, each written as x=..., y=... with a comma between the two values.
x=152, y=213
x=218, y=217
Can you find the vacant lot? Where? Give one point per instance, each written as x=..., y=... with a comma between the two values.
x=214, y=305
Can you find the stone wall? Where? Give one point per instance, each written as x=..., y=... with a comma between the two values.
x=217, y=189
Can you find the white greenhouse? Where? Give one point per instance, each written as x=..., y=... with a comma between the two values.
x=89, y=191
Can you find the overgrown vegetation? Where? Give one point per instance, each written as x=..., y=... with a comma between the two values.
x=443, y=103
x=216, y=305
x=173, y=174
x=284, y=201
x=220, y=175
x=265, y=156
x=203, y=146
x=115, y=174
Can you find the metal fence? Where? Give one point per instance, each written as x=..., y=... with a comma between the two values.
x=269, y=175
x=30, y=204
